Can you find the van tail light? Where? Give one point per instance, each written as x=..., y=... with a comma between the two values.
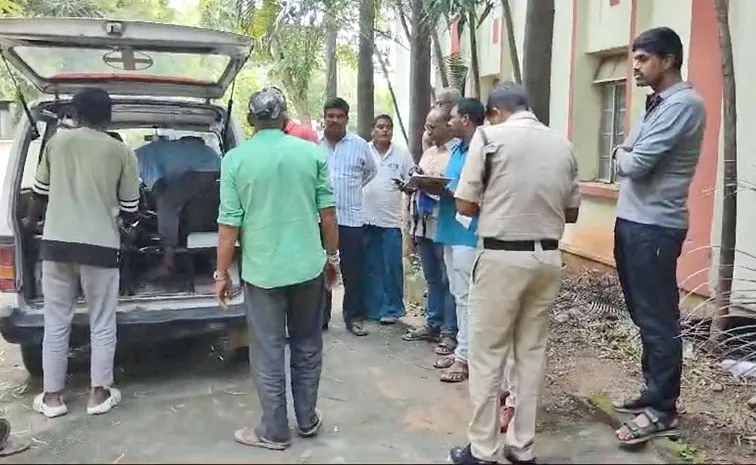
x=7, y=268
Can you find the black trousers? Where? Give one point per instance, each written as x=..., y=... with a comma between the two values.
x=646, y=257
x=352, y=251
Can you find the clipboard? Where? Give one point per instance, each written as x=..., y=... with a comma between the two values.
x=418, y=181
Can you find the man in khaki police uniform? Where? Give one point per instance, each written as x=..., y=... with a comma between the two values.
x=522, y=176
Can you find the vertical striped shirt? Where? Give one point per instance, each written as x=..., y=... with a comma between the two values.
x=351, y=167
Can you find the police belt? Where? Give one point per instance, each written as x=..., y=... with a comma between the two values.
x=521, y=246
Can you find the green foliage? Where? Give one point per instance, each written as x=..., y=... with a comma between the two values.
x=449, y=10
x=289, y=38
x=456, y=69
x=10, y=8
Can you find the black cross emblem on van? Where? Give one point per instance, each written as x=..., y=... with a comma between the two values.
x=127, y=59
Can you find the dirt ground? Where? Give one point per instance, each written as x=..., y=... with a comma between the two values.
x=381, y=399
x=708, y=419
x=595, y=352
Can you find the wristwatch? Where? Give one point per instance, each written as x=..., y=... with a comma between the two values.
x=220, y=277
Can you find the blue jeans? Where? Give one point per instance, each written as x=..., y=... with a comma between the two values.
x=646, y=257
x=384, y=273
x=441, y=310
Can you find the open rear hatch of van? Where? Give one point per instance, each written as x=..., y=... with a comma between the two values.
x=130, y=60
x=63, y=55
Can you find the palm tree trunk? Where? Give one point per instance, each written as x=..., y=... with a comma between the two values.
x=365, y=80
x=513, y=56
x=730, y=181
x=332, y=78
x=420, y=73
x=474, y=64
x=438, y=55
x=386, y=75
x=539, y=33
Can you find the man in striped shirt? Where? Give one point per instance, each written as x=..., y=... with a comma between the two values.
x=351, y=167
x=87, y=177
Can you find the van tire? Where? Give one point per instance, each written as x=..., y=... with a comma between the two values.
x=31, y=355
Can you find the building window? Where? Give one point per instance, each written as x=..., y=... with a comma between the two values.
x=610, y=79
x=612, y=131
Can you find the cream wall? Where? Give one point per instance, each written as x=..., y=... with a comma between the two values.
x=744, y=50
x=489, y=55
x=607, y=26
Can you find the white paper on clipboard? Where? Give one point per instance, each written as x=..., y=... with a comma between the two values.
x=465, y=221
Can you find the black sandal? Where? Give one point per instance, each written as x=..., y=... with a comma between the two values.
x=656, y=428
x=636, y=404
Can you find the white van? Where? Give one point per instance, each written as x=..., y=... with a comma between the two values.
x=163, y=80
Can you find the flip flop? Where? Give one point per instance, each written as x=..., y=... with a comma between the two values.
x=10, y=446
x=421, y=334
x=39, y=406
x=312, y=431
x=107, y=405
x=444, y=362
x=357, y=329
x=248, y=437
x=455, y=375
x=446, y=346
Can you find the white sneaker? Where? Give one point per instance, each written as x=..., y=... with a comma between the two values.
x=108, y=404
x=49, y=411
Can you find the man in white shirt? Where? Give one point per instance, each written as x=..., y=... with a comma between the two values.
x=382, y=200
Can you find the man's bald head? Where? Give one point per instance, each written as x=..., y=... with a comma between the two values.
x=447, y=97
x=437, y=126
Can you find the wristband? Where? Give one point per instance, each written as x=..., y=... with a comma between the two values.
x=334, y=258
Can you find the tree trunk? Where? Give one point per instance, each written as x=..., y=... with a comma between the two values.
x=474, y=64
x=438, y=55
x=513, y=56
x=332, y=77
x=730, y=181
x=539, y=33
x=365, y=80
x=303, y=113
x=420, y=82
x=300, y=104
x=386, y=75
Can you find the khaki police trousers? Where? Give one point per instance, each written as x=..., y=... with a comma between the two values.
x=510, y=297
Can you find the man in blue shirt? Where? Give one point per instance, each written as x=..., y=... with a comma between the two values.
x=458, y=234
x=176, y=171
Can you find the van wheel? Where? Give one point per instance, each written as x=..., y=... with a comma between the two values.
x=31, y=355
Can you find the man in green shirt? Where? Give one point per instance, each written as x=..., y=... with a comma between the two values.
x=274, y=188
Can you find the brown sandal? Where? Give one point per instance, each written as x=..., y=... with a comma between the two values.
x=420, y=334
x=442, y=363
x=456, y=373
x=446, y=346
